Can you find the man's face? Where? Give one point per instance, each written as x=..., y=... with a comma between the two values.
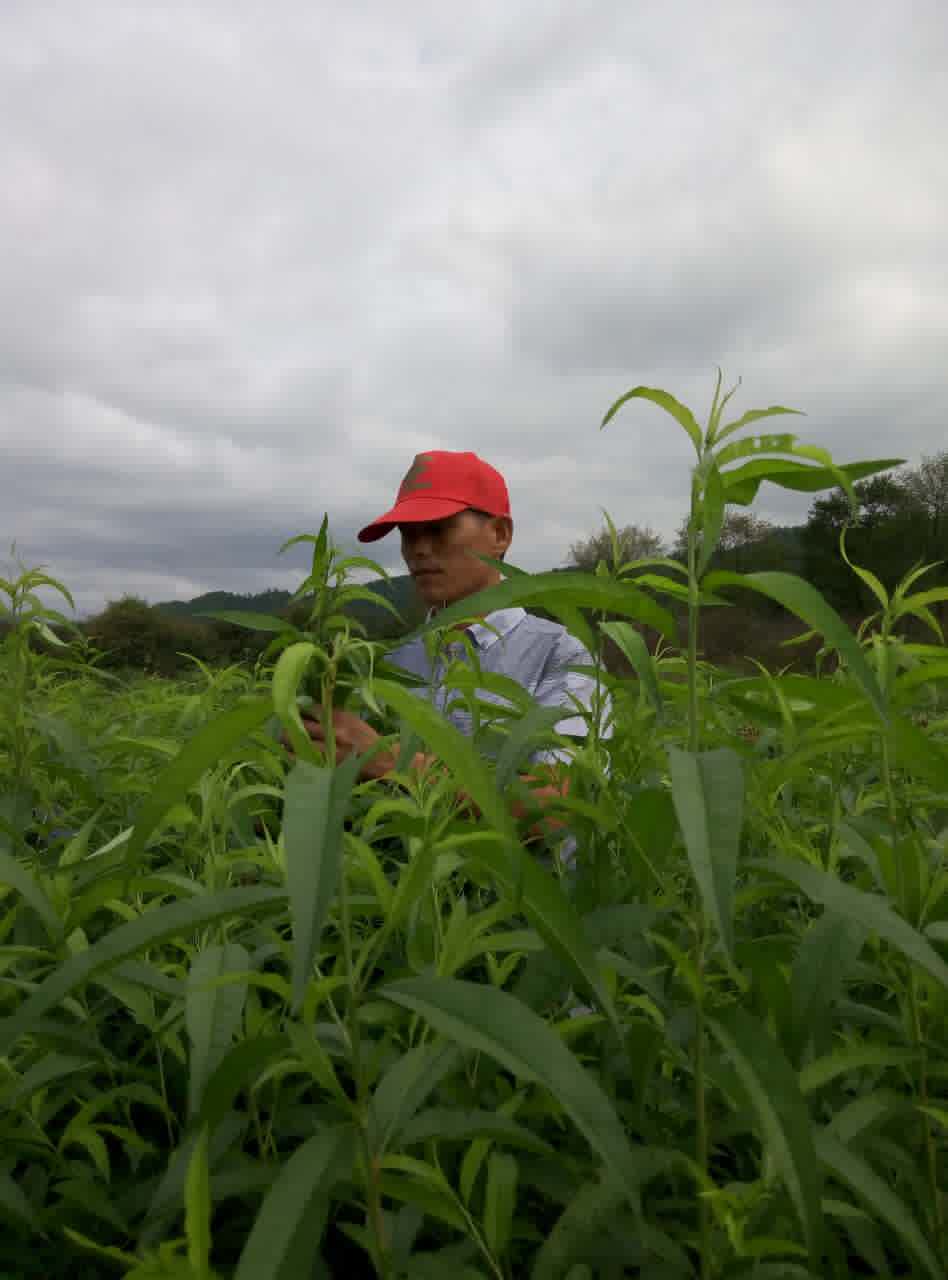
x=441, y=555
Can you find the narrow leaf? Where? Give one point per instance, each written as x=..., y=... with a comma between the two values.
x=771, y=1085
x=491, y=1021
x=212, y=1014
x=554, y=589
x=239, y=1066
x=741, y=483
x=500, y=1196
x=866, y=909
x=14, y=874
x=156, y=926
x=806, y=602
x=14, y=1202
x=682, y=415
x=405, y=1087
x=204, y=750
x=753, y=415
x=918, y=753
x=313, y=816
x=824, y=960
x=712, y=517
x=708, y=794
x=864, y=1182
x=631, y=644
x=197, y=1209
x=284, y=1240
x=857, y=1057
x=249, y=620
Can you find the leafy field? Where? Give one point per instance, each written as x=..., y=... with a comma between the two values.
x=258, y=1019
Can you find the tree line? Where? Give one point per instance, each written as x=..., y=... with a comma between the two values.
x=900, y=522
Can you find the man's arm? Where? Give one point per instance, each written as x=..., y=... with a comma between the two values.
x=353, y=734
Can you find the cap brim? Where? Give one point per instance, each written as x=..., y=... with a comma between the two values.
x=410, y=511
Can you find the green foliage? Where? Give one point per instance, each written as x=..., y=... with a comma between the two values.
x=262, y=1019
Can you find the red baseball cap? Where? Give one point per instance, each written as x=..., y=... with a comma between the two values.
x=440, y=484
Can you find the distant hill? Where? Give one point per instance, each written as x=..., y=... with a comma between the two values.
x=782, y=548
x=377, y=621
x=274, y=601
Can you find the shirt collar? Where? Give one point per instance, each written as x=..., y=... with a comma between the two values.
x=496, y=626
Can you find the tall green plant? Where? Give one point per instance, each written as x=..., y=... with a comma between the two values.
x=381, y=1033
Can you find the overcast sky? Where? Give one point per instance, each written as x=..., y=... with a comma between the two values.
x=255, y=256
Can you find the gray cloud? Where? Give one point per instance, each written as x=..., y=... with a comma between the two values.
x=254, y=262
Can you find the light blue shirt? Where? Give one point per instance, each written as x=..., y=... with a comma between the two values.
x=534, y=652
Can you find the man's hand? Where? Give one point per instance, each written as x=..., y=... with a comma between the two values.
x=352, y=735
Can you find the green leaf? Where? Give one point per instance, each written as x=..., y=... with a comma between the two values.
x=90, y=1196
x=924, y=673
x=551, y=913
x=866, y=909
x=154, y=927
x=865, y=1183
x=285, y=1237
x=741, y=483
x=821, y=1072
x=549, y=910
x=867, y=1111
x=708, y=794
x=712, y=517
x=419, y=1186
x=347, y=595
x=806, y=602
x=922, y=599
x=249, y=620
x=918, y=753
x=683, y=416
x=212, y=1014
x=50, y=1068
x=825, y=957
x=491, y=1021
x=589, y=1214
x=14, y=1203
x=204, y=750
x=783, y=442
x=447, y=1124
x=314, y=812
x=29, y=888
x=240, y=1064
x=753, y=415
x=771, y=1084
x=414, y=879
x=553, y=590
x=405, y=1087
x=631, y=644
x=938, y=1114
x=500, y=1197
x=454, y=750
x=526, y=735
x=287, y=676
x=865, y=575
x=197, y=1209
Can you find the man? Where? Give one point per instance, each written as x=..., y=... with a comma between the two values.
x=452, y=508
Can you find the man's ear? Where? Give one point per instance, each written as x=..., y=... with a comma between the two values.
x=503, y=534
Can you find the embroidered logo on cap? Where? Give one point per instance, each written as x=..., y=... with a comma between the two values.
x=414, y=478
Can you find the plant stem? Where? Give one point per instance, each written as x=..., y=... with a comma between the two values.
x=701, y=1115
x=930, y=1154
x=374, y=1203
x=693, y=621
